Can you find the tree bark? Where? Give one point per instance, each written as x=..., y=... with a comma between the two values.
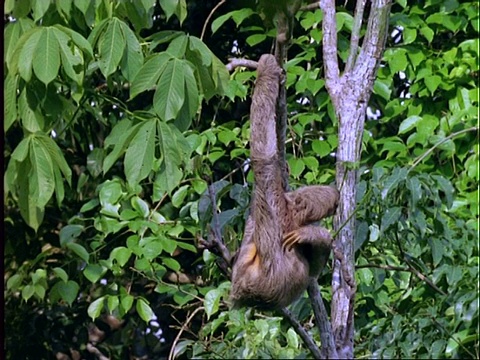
x=350, y=93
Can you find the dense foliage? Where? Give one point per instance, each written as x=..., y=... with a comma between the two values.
x=118, y=115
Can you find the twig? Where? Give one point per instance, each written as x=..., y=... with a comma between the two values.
x=419, y=159
x=415, y=271
x=233, y=63
x=184, y=326
x=313, y=6
x=355, y=38
x=409, y=269
x=287, y=314
x=209, y=17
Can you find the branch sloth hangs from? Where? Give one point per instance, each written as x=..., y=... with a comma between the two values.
x=281, y=247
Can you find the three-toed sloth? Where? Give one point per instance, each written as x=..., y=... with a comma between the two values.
x=281, y=247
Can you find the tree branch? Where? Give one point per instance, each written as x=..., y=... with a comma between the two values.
x=302, y=332
x=233, y=63
x=329, y=27
x=355, y=38
x=328, y=348
x=210, y=16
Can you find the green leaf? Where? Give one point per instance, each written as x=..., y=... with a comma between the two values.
x=133, y=57
x=145, y=311
x=111, y=47
x=69, y=233
x=79, y=250
x=170, y=94
x=112, y=303
x=140, y=154
x=212, y=302
x=169, y=173
x=140, y=206
x=42, y=178
x=398, y=175
x=408, y=124
x=397, y=60
x=95, y=308
x=28, y=52
x=28, y=292
x=110, y=192
x=296, y=167
x=391, y=216
x=171, y=263
x=149, y=73
x=21, y=151
x=62, y=274
x=46, y=60
x=238, y=16
x=178, y=46
x=57, y=156
x=68, y=291
x=31, y=213
x=121, y=254
x=179, y=196
x=126, y=302
x=14, y=282
x=374, y=233
x=255, y=39
x=169, y=7
x=203, y=52
x=39, y=8
x=94, y=272
x=9, y=101
x=68, y=56
x=126, y=133
x=321, y=147
x=432, y=83
x=151, y=249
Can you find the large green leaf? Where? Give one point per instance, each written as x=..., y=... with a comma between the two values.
x=122, y=134
x=13, y=32
x=69, y=58
x=140, y=153
x=46, y=59
x=26, y=53
x=42, y=178
x=31, y=213
x=170, y=154
x=144, y=310
x=111, y=46
x=57, y=156
x=149, y=73
x=39, y=8
x=9, y=101
x=170, y=94
x=133, y=58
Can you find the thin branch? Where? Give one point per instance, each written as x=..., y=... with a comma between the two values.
x=419, y=159
x=184, y=326
x=375, y=37
x=235, y=62
x=209, y=17
x=414, y=270
x=302, y=332
x=355, y=38
x=313, y=6
x=409, y=269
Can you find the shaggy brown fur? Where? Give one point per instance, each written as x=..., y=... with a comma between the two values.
x=280, y=248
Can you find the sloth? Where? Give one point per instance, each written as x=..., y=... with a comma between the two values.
x=281, y=247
